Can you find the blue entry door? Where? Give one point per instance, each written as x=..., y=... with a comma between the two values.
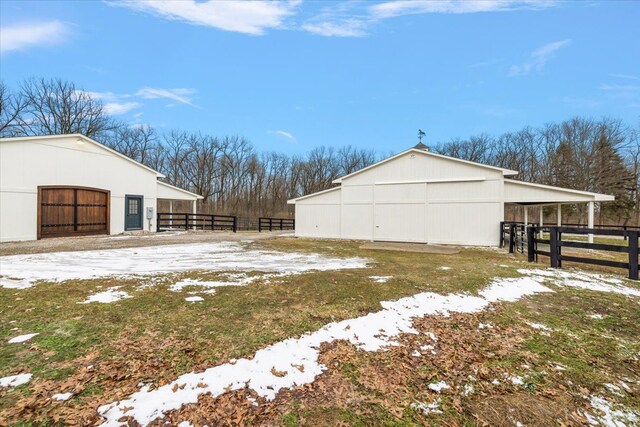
x=133, y=212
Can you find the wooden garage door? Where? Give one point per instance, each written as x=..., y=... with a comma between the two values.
x=72, y=211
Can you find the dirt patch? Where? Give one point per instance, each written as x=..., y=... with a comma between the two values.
x=411, y=247
x=86, y=243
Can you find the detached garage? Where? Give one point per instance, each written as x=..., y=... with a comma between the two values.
x=71, y=185
x=423, y=197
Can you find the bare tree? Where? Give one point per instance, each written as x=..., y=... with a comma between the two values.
x=12, y=106
x=55, y=107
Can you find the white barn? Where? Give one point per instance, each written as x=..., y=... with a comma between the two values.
x=423, y=197
x=67, y=185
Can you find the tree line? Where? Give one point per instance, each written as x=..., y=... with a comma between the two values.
x=597, y=155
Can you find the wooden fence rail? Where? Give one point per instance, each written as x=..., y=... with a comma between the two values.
x=556, y=242
x=272, y=224
x=191, y=221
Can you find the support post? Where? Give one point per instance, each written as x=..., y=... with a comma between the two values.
x=559, y=216
x=195, y=211
x=502, y=234
x=170, y=213
x=526, y=216
x=633, y=255
x=512, y=238
x=541, y=216
x=531, y=241
x=553, y=247
x=235, y=224
x=591, y=218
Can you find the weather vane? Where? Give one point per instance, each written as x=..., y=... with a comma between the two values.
x=421, y=134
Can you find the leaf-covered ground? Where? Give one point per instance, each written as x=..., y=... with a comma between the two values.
x=539, y=361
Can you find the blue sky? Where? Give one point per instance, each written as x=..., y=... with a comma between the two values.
x=293, y=75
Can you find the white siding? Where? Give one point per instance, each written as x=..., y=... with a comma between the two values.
x=27, y=164
x=412, y=198
x=319, y=216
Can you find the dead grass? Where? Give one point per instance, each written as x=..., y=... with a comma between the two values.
x=156, y=336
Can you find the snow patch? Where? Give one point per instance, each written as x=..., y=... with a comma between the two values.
x=23, y=271
x=15, y=380
x=108, y=296
x=439, y=386
x=580, y=280
x=194, y=299
x=62, y=396
x=427, y=408
x=596, y=316
x=444, y=268
x=608, y=416
x=380, y=279
x=296, y=359
x=21, y=338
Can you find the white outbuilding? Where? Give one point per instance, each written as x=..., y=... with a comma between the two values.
x=424, y=197
x=69, y=185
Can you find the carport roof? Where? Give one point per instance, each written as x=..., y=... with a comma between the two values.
x=529, y=193
x=171, y=192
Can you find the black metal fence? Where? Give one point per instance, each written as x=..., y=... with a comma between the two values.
x=514, y=236
x=191, y=221
x=274, y=224
x=537, y=244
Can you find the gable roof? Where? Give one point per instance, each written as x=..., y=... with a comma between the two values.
x=293, y=201
x=84, y=139
x=505, y=172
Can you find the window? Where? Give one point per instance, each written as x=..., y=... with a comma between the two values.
x=133, y=206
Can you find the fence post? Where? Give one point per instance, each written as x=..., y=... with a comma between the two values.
x=270, y=224
x=280, y=224
x=186, y=222
x=512, y=237
x=633, y=255
x=502, y=234
x=531, y=236
x=553, y=246
x=235, y=224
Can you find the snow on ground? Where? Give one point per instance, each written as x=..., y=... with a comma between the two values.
x=21, y=338
x=439, y=386
x=380, y=279
x=297, y=358
x=590, y=281
x=427, y=408
x=606, y=415
x=62, y=396
x=194, y=299
x=444, y=267
x=23, y=271
x=15, y=380
x=108, y=296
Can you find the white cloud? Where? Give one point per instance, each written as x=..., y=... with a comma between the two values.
x=625, y=76
x=117, y=108
x=180, y=95
x=391, y=9
x=538, y=58
x=344, y=28
x=249, y=17
x=285, y=135
x=21, y=36
x=344, y=20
